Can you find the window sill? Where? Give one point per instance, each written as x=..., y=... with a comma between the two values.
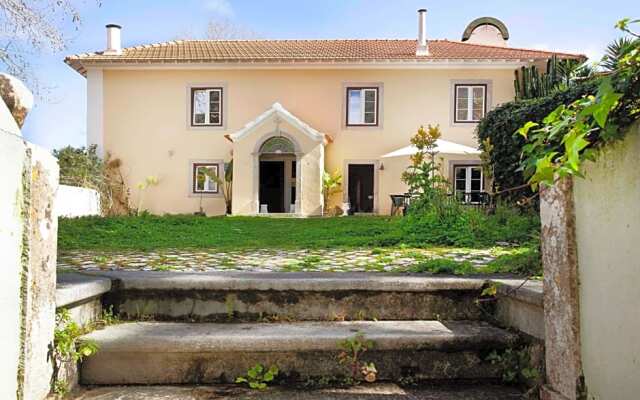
x=206, y=128
x=362, y=128
x=205, y=195
x=464, y=124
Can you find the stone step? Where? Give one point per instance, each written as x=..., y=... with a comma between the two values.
x=379, y=391
x=217, y=297
x=196, y=353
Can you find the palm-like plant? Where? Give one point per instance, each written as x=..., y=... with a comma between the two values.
x=227, y=184
x=331, y=184
x=616, y=50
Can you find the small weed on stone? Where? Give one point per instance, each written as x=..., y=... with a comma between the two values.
x=257, y=377
x=350, y=356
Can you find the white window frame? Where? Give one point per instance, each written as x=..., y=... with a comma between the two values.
x=470, y=98
x=194, y=185
x=207, y=115
x=363, y=93
x=467, y=183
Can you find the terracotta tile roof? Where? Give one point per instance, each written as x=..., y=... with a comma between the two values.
x=292, y=51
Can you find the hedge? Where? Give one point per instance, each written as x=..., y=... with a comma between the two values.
x=500, y=124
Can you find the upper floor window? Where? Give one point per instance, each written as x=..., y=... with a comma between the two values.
x=362, y=106
x=470, y=102
x=206, y=106
x=205, y=178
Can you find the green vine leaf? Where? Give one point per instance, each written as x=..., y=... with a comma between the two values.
x=524, y=131
x=574, y=143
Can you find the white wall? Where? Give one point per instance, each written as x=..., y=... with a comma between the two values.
x=28, y=237
x=73, y=201
x=12, y=155
x=608, y=237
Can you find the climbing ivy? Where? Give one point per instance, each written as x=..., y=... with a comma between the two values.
x=557, y=148
x=570, y=134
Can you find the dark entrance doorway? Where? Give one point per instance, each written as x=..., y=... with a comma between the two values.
x=272, y=185
x=361, y=187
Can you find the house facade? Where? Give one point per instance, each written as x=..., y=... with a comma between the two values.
x=285, y=111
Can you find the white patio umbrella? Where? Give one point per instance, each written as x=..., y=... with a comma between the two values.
x=443, y=147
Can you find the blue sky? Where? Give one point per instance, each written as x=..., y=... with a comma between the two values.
x=57, y=120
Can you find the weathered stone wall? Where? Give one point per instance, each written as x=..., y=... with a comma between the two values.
x=591, y=256
x=608, y=238
x=28, y=231
x=561, y=307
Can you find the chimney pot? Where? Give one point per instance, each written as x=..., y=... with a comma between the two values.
x=114, y=42
x=423, y=45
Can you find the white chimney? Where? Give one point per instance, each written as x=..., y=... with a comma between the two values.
x=114, y=42
x=423, y=46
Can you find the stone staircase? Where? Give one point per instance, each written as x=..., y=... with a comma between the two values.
x=210, y=328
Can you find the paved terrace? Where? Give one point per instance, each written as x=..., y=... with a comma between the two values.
x=314, y=260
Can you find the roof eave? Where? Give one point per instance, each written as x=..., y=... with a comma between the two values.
x=81, y=66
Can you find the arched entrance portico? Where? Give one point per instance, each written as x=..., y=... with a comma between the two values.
x=278, y=165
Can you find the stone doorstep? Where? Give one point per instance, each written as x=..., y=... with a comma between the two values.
x=297, y=281
x=179, y=353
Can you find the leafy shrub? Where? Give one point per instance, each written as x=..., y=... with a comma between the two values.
x=570, y=134
x=469, y=227
x=83, y=167
x=438, y=218
x=80, y=167
x=498, y=129
x=423, y=175
x=573, y=122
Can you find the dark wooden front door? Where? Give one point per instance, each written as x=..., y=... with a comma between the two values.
x=361, y=187
x=272, y=185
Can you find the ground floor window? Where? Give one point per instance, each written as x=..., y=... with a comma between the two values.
x=205, y=178
x=468, y=183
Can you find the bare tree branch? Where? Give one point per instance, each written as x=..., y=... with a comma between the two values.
x=224, y=29
x=32, y=26
x=220, y=29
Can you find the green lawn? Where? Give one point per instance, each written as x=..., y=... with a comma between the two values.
x=382, y=235
x=225, y=233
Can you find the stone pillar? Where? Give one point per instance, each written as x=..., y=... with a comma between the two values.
x=28, y=237
x=561, y=296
